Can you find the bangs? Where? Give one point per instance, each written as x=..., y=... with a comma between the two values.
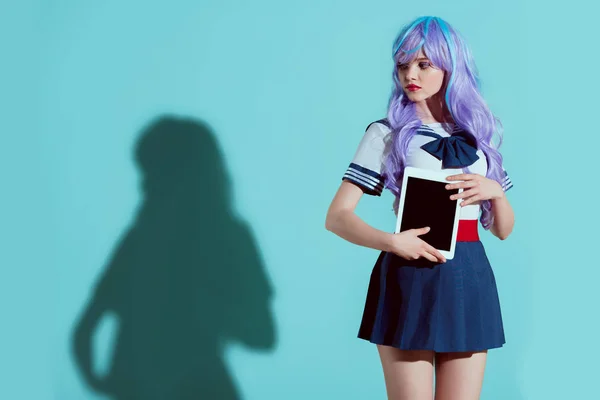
x=428, y=37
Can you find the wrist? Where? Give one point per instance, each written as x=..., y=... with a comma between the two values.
x=388, y=242
x=500, y=194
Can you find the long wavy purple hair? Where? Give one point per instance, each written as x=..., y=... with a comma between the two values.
x=447, y=50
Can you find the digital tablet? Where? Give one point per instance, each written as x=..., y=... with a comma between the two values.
x=425, y=201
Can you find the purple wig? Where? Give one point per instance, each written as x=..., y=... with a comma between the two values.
x=447, y=50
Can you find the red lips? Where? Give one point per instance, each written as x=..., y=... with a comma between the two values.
x=413, y=87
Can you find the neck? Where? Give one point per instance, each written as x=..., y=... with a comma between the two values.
x=433, y=110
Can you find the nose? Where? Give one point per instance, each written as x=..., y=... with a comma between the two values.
x=410, y=73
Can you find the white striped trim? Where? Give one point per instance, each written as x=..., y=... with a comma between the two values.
x=426, y=127
x=362, y=176
x=368, y=182
x=506, y=183
x=358, y=179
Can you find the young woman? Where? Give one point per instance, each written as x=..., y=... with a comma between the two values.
x=426, y=313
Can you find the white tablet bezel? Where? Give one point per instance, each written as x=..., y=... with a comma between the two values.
x=432, y=176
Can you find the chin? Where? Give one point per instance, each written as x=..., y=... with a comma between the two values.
x=415, y=97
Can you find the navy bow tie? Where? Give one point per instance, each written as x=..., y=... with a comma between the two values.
x=456, y=151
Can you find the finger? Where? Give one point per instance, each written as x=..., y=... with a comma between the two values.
x=439, y=256
x=421, y=231
x=463, y=185
x=464, y=194
x=435, y=252
x=429, y=256
x=470, y=200
x=460, y=177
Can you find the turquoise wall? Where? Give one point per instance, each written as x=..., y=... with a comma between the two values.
x=168, y=164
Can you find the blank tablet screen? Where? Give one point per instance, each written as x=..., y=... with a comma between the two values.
x=427, y=203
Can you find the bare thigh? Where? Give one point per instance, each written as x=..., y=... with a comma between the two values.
x=408, y=373
x=459, y=376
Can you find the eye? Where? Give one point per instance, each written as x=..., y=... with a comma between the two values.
x=422, y=65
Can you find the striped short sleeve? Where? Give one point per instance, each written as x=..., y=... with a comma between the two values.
x=365, y=168
x=506, y=182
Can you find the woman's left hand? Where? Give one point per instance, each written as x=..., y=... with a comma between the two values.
x=475, y=188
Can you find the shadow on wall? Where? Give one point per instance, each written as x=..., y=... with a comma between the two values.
x=185, y=279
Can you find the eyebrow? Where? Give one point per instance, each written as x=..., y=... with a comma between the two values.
x=420, y=59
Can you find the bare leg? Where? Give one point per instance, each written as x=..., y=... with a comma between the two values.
x=459, y=376
x=408, y=373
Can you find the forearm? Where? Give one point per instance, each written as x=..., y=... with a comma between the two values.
x=504, y=218
x=349, y=226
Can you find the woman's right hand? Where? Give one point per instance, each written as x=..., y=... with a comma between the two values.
x=410, y=246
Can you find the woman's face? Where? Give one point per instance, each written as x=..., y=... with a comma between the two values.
x=419, y=78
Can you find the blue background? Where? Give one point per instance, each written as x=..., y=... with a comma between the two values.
x=281, y=93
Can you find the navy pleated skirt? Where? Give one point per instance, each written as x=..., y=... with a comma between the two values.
x=421, y=305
